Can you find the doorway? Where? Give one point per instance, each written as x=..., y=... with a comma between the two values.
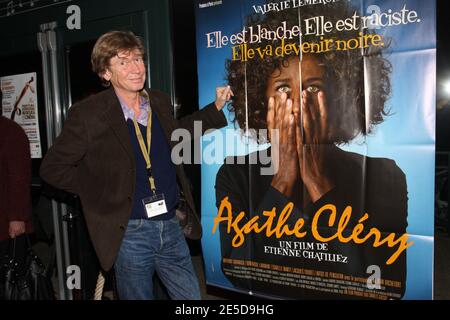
x=60, y=57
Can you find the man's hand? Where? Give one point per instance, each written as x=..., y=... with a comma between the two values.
x=223, y=94
x=312, y=138
x=16, y=228
x=284, y=156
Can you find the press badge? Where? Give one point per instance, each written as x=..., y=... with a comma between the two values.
x=155, y=205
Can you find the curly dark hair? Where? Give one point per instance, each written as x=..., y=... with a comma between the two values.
x=358, y=81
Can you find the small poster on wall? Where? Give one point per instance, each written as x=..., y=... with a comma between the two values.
x=21, y=105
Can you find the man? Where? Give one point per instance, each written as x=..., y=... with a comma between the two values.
x=114, y=152
x=15, y=177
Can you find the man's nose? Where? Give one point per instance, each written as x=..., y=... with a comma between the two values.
x=135, y=67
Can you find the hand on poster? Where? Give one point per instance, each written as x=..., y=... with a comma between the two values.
x=223, y=94
x=280, y=122
x=312, y=135
x=301, y=142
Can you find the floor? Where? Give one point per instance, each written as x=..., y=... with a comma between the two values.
x=442, y=266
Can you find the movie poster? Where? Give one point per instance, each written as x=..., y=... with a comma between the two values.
x=322, y=184
x=20, y=104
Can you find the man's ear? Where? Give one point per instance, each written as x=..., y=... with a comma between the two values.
x=107, y=75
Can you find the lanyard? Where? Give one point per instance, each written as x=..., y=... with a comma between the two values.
x=146, y=151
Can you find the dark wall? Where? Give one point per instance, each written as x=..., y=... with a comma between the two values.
x=18, y=32
x=186, y=82
x=185, y=56
x=443, y=76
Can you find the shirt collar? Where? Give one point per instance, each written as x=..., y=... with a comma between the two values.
x=129, y=113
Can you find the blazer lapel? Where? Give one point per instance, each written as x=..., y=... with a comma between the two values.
x=114, y=116
x=166, y=123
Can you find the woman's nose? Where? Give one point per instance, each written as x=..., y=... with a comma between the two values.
x=296, y=94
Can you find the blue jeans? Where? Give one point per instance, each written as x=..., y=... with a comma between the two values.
x=150, y=246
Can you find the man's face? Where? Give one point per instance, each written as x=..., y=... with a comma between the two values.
x=126, y=72
x=293, y=77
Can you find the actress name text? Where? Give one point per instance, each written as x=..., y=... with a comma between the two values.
x=288, y=4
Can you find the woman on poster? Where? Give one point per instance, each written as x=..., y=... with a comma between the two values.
x=315, y=102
